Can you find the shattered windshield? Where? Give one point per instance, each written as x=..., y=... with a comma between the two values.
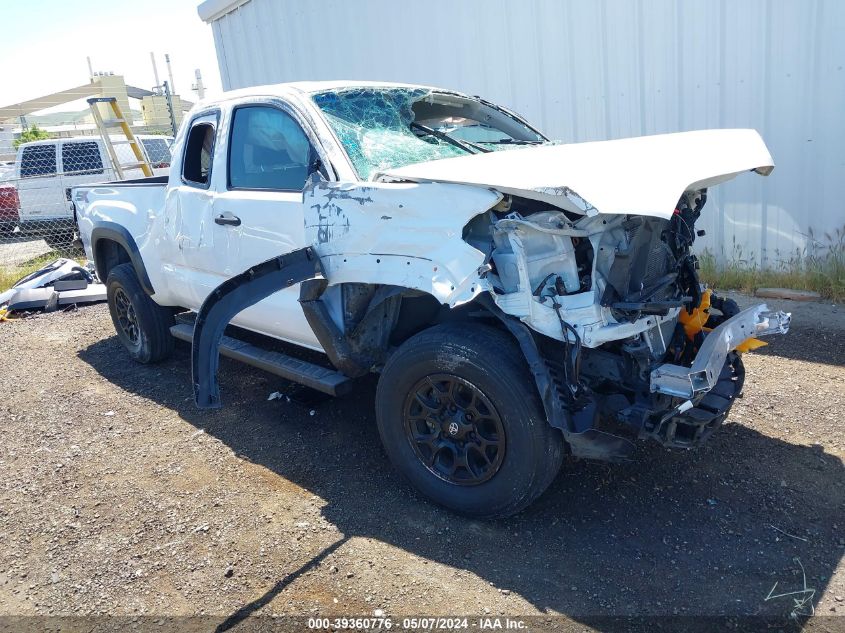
x=382, y=128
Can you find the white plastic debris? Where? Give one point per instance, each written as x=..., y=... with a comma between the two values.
x=62, y=282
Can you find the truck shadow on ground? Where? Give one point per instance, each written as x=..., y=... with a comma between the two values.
x=706, y=532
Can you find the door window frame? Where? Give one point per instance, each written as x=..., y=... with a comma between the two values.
x=215, y=126
x=313, y=141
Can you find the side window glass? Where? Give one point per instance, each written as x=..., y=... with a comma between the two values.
x=38, y=160
x=268, y=150
x=81, y=158
x=199, y=149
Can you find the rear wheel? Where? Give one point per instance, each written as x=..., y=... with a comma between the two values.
x=141, y=324
x=460, y=417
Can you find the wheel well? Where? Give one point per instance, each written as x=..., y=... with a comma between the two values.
x=107, y=255
x=112, y=245
x=421, y=311
x=358, y=323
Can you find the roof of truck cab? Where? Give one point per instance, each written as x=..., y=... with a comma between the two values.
x=312, y=87
x=309, y=88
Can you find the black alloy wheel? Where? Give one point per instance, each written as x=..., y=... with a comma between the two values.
x=454, y=429
x=126, y=317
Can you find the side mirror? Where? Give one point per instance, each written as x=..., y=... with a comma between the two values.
x=315, y=171
x=315, y=166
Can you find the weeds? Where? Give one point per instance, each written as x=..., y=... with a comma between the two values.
x=819, y=267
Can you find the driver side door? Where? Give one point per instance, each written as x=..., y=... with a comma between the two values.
x=257, y=209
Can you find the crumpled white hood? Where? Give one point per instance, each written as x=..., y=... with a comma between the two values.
x=639, y=176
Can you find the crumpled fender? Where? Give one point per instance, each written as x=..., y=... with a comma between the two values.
x=401, y=234
x=407, y=235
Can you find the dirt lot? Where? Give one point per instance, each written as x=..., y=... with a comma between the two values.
x=120, y=497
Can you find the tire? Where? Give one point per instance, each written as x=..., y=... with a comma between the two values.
x=517, y=453
x=141, y=324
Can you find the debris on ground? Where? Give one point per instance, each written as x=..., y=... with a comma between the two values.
x=62, y=283
x=787, y=293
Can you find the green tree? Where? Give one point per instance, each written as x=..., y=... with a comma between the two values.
x=33, y=133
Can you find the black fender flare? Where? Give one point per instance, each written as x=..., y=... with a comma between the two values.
x=118, y=234
x=227, y=300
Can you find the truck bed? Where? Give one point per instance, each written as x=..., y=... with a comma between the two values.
x=128, y=202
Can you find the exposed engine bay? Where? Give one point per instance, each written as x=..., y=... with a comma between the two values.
x=601, y=274
x=612, y=299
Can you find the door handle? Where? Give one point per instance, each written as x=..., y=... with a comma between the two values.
x=227, y=219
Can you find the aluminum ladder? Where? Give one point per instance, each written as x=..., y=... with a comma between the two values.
x=119, y=121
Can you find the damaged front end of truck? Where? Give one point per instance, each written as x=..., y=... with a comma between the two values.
x=595, y=275
x=582, y=252
x=627, y=342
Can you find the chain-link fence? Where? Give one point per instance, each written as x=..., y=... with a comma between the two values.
x=36, y=216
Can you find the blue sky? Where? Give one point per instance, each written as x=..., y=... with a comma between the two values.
x=44, y=44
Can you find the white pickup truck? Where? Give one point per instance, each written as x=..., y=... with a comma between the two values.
x=519, y=298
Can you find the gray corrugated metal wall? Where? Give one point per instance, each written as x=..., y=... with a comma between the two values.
x=598, y=70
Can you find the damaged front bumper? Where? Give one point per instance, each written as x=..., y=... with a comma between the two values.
x=692, y=421
x=687, y=404
x=688, y=382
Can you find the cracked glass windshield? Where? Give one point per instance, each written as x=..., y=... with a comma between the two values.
x=382, y=128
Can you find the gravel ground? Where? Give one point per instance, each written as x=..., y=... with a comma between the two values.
x=120, y=497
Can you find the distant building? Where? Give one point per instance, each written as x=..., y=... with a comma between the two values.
x=587, y=71
x=155, y=116
x=112, y=85
x=156, y=112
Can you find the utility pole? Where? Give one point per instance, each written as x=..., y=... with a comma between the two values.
x=170, y=73
x=155, y=69
x=199, y=87
x=170, y=108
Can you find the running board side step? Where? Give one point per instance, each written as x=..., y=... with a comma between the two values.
x=323, y=379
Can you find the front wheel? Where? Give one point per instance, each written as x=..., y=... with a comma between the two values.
x=460, y=417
